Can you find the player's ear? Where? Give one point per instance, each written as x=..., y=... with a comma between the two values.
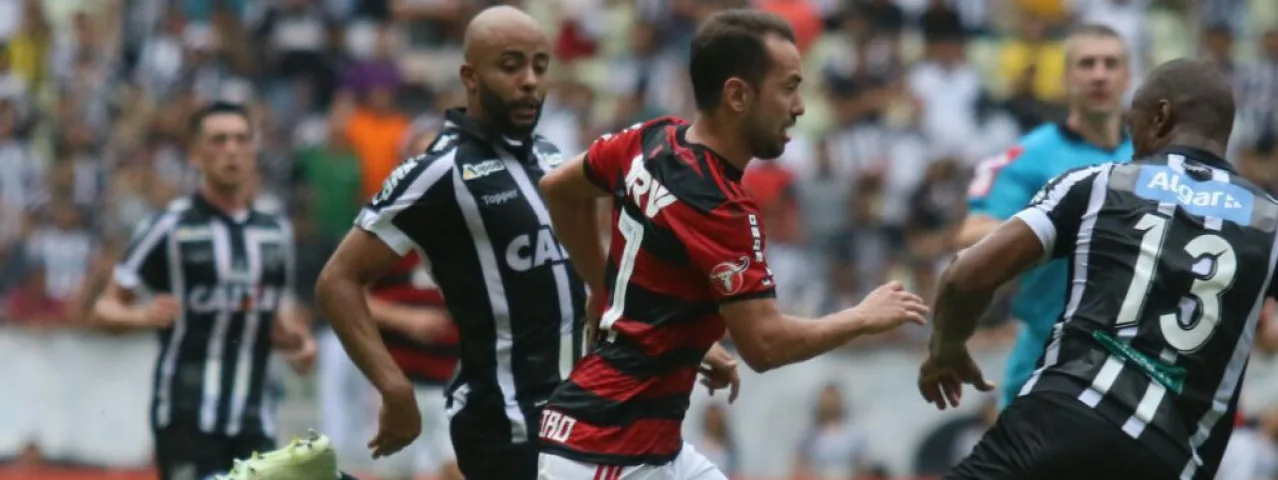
x=737, y=94
x=467, y=74
x=1164, y=118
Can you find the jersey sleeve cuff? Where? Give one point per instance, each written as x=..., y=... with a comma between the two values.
x=125, y=278
x=591, y=175
x=768, y=293
x=382, y=228
x=1042, y=226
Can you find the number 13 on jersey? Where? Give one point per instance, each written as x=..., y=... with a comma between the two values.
x=1206, y=289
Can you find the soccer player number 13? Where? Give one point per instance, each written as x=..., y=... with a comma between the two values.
x=1207, y=288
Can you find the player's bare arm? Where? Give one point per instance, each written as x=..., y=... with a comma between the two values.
x=340, y=292
x=423, y=324
x=964, y=293
x=975, y=227
x=573, y=201
x=117, y=308
x=768, y=339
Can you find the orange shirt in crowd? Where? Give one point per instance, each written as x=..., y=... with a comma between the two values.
x=803, y=17
x=376, y=139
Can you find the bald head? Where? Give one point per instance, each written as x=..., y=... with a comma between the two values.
x=494, y=25
x=506, y=58
x=1183, y=98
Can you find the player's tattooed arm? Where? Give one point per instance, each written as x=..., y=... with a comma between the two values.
x=965, y=291
x=969, y=283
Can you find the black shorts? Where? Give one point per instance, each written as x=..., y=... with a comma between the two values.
x=481, y=443
x=1050, y=436
x=186, y=453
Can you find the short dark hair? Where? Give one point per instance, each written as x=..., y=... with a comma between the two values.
x=731, y=44
x=216, y=108
x=1091, y=30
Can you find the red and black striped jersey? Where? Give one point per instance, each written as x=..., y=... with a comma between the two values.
x=685, y=239
x=409, y=283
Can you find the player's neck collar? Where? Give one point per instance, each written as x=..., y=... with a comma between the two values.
x=465, y=123
x=1199, y=155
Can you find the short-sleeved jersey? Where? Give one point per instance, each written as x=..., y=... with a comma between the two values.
x=410, y=283
x=470, y=207
x=685, y=240
x=230, y=275
x=1161, y=310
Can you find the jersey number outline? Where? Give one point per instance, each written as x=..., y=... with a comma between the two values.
x=631, y=231
x=1206, y=289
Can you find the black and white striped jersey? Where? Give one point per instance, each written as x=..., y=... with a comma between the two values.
x=1162, y=305
x=471, y=207
x=230, y=274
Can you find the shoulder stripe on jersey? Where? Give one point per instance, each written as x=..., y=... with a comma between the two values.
x=379, y=217
x=1051, y=197
x=126, y=273
x=496, y=292
x=1100, y=186
x=1233, y=372
x=563, y=287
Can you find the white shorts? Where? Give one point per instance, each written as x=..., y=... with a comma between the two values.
x=688, y=465
x=428, y=454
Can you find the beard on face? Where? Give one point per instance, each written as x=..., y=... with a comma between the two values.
x=498, y=110
x=764, y=140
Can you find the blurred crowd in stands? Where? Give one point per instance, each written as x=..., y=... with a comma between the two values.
x=904, y=98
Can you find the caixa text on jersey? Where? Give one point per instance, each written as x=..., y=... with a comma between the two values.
x=232, y=297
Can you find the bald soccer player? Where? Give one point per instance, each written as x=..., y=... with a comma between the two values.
x=469, y=205
x=1141, y=376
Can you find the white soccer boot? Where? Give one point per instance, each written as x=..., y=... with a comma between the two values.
x=309, y=459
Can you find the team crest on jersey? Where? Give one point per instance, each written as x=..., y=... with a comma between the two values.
x=728, y=277
x=482, y=169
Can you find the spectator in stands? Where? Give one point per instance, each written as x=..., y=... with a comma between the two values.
x=947, y=87
x=29, y=48
x=1218, y=46
x=833, y=448
x=716, y=442
x=376, y=132
x=1032, y=58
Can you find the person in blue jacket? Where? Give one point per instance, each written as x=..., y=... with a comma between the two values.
x=1097, y=75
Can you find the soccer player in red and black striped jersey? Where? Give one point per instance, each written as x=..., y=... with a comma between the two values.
x=687, y=259
x=421, y=337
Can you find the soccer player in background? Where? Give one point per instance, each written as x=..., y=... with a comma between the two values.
x=214, y=275
x=1096, y=76
x=469, y=206
x=1171, y=258
x=687, y=258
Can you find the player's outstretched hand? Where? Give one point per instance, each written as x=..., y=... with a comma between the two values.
x=719, y=370
x=942, y=376
x=302, y=357
x=398, y=423
x=888, y=306
x=161, y=311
